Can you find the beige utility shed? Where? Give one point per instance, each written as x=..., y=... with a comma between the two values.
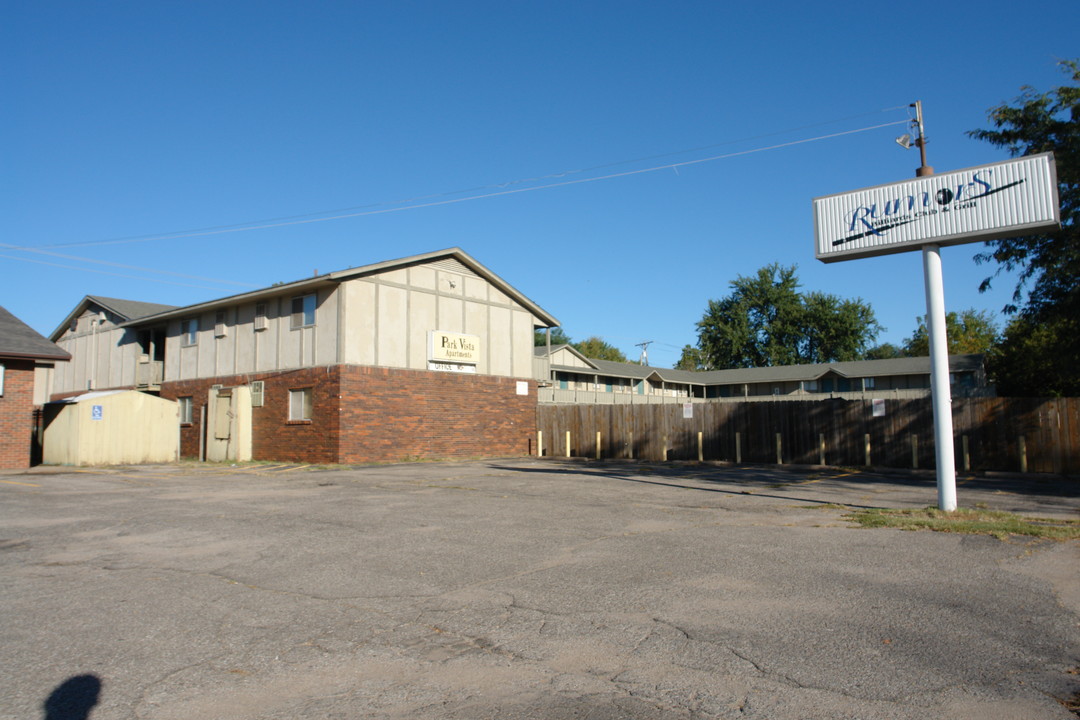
x=117, y=427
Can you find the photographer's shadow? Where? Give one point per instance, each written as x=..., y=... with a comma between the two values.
x=73, y=699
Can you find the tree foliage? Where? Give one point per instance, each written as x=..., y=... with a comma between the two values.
x=1043, y=341
x=969, y=331
x=596, y=348
x=692, y=359
x=766, y=321
x=558, y=337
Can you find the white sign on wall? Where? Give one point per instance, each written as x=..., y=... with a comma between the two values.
x=1006, y=199
x=448, y=347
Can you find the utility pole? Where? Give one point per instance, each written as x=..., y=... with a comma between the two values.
x=644, y=359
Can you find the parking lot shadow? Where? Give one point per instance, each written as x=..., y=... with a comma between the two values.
x=73, y=699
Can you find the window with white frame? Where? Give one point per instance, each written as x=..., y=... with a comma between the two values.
x=189, y=331
x=185, y=409
x=300, y=404
x=303, y=311
x=260, y=316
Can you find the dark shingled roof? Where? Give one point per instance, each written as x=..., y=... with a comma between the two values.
x=126, y=310
x=130, y=309
x=19, y=340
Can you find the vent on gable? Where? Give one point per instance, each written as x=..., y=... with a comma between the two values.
x=257, y=393
x=454, y=265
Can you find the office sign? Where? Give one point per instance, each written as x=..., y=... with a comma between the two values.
x=1007, y=199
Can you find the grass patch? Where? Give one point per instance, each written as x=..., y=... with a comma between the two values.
x=971, y=522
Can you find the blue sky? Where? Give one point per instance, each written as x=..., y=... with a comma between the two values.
x=147, y=120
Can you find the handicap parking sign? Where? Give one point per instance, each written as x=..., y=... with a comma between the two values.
x=95, y=412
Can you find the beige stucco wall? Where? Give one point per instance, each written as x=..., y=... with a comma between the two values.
x=382, y=319
x=243, y=349
x=103, y=355
x=388, y=318
x=134, y=428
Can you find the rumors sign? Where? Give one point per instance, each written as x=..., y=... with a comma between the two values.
x=1006, y=199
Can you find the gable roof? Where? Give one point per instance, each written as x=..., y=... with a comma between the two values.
x=340, y=276
x=126, y=310
x=19, y=340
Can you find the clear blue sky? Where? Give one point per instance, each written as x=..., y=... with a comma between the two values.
x=143, y=119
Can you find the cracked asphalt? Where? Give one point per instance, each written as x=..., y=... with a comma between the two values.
x=524, y=589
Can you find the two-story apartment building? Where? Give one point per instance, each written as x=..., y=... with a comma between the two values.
x=425, y=356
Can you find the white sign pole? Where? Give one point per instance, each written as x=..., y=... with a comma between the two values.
x=940, y=391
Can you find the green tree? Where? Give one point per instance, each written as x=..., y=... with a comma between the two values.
x=1045, y=331
x=884, y=351
x=691, y=359
x=1022, y=366
x=595, y=347
x=558, y=337
x=766, y=321
x=969, y=331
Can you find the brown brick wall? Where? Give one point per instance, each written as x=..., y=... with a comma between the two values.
x=365, y=414
x=391, y=415
x=16, y=413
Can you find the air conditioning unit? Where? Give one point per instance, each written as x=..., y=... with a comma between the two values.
x=257, y=393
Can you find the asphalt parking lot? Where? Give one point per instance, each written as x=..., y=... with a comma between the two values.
x=524, y=589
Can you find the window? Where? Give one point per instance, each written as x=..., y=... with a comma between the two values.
x=810, y=386
x=300, y=404
x=260, y=316
x=185, y=410
x=303, y=311
x=1, y=379
x=189, y=331
x=219, y=324
x=868, y=383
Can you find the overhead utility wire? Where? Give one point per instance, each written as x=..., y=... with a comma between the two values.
x=106, y=272
x=286, y=222
x=116, y=264
x=245, y=226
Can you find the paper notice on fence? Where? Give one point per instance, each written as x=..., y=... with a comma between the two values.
x=879, y=408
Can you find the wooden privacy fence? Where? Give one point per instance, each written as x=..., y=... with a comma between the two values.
x=1008, y=434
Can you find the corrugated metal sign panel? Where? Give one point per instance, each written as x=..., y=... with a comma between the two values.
x=1006, y=199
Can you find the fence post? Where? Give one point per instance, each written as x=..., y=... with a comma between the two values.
x=597, y=444
x=567, y=443
x=1023, y=453
x=967, y=455
x=700, y=448
x=539, y=443
x=866, y=447
x=631, y=445
x=738, y=447
x=663, y=450
x=914, y=451
x=779, y=454
x=821, y=448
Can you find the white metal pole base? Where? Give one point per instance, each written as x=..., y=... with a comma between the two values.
x=939, y=378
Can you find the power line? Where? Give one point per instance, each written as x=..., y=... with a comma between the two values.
x=106, y=272
x=116, y=264
x=402, y=205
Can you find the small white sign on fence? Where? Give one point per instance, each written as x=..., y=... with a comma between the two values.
x=688, y=411
x=879, y=408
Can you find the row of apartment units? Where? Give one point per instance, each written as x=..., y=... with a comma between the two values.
x=426, y=356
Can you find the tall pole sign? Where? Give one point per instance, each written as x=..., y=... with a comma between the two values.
x=1006, y=199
